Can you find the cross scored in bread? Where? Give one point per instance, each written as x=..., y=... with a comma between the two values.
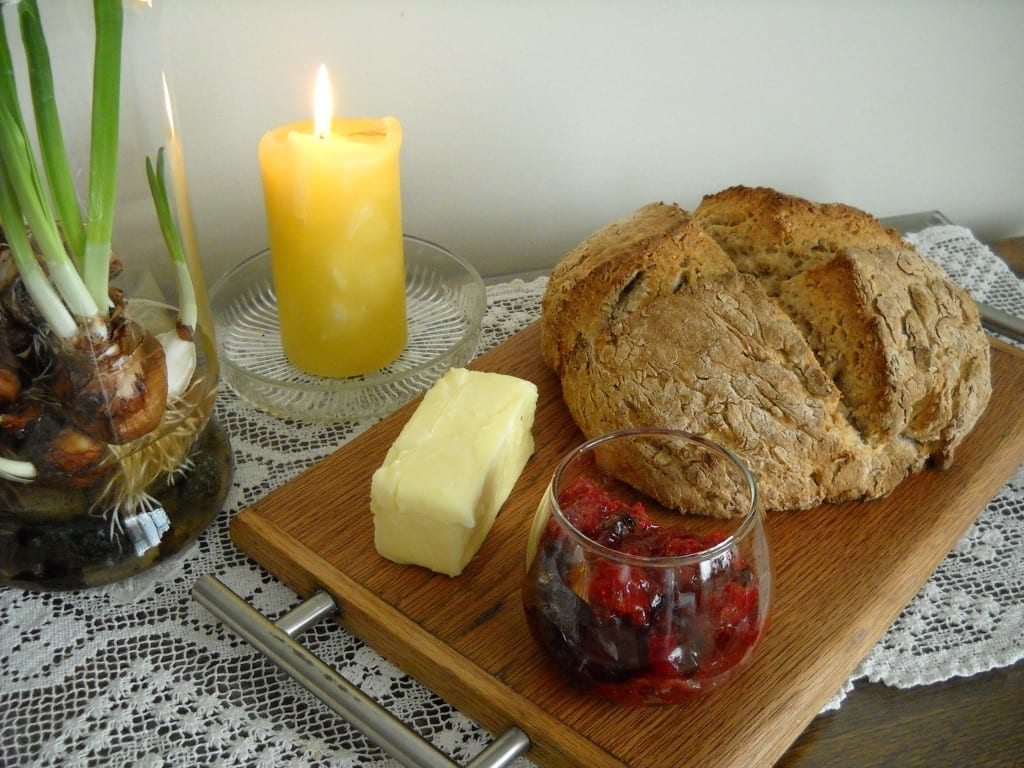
x=815, y=343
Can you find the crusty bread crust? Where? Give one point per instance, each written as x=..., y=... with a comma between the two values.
x=808, y=338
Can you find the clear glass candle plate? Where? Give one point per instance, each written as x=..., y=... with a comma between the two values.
x=445, y=302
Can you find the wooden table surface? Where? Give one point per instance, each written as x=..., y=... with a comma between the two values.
x=976, y=721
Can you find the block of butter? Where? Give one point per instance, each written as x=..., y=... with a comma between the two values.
x=451, y=468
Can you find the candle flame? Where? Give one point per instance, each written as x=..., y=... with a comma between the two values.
x=323, y=103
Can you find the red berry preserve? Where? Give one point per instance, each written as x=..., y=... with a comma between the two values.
x=628, y=616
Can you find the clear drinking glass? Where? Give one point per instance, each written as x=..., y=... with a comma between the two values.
x=648, y=570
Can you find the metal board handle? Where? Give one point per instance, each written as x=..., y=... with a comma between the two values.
x=1000, y=321
x=276, y=641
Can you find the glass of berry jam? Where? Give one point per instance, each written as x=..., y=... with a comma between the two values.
x=648, y=571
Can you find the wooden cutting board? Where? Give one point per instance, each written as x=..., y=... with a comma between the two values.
x=843, y=574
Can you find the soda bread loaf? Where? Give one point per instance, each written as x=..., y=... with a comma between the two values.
x=807, y=338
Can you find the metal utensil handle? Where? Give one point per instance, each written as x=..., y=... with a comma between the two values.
x=276, y=641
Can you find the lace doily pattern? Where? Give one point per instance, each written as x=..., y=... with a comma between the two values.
x=139, y=674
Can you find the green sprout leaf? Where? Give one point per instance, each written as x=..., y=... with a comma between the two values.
x=106, y=87
x=172, y=237
x=34, y=279
x=51, y=140
x=18, y=169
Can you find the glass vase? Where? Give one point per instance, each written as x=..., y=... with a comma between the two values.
x=113, y=461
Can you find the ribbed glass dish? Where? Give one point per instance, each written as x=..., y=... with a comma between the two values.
x=445, y=302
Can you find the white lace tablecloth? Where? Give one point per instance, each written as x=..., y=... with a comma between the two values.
x=139, y=674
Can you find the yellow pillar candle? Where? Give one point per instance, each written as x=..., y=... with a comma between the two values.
x=334, y=219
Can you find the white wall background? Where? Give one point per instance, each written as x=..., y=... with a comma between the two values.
x=530, y=124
